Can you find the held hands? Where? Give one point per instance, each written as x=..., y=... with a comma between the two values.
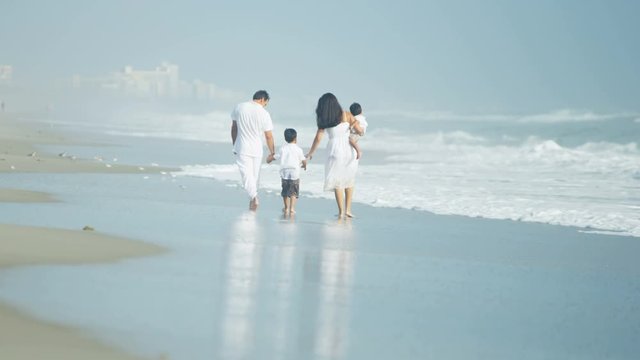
x=304, y=165
x=270, y=158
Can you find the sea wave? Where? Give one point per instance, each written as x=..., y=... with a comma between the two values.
x=592, y=187
x=593, y=184
x=557, y=116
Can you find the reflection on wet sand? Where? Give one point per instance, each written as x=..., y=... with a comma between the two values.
x=280, y=304
x=242, y=278
x=283, y=303
x=336, y=279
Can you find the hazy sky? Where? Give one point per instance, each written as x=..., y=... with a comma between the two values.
x=461, y=56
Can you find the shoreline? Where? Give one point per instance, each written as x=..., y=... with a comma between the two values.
x=19, y=152
x=23, y=336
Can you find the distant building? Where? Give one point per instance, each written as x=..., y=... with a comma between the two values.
x=161, y=82
x=6, y=74
x=203, y=91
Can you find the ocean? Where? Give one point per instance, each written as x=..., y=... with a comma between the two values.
x=396, y=282
x=567, y=168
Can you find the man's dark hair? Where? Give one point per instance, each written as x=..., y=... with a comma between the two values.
x=290, y=135
x=355, y=109
x=328, y=111
x=261, y=94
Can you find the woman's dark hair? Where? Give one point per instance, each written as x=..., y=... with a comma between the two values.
x=328, y=112
x=260, y=95
x=355, y=109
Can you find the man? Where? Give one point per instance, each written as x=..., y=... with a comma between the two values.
x=251, y=121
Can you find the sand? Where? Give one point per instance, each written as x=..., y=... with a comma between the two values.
x=19, y=151
x=21, y=336
x=26, y=196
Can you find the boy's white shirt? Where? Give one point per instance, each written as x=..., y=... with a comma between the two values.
x=290, y=157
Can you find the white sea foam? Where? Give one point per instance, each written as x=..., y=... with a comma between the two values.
x=568, y=115
x=211, y=126
x=594, y=186
x=558, y=116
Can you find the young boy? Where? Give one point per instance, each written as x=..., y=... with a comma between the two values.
x=291, y=159
x=356, y=111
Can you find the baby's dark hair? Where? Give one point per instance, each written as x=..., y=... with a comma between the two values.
x=290, y=135
x=355, y=109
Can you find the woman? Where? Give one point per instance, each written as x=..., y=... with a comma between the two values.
x=341, y=164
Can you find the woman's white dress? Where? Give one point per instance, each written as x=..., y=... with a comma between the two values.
x=341, y=165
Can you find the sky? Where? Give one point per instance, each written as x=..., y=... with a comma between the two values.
x=459, y=56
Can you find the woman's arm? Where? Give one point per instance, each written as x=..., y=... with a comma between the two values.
x=316, y=142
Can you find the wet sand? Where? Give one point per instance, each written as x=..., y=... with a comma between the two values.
x=19, y=151
x=22, y=336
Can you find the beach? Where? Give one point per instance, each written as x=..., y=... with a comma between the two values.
x=22, y=336
x=207, y=279
x=495, y=213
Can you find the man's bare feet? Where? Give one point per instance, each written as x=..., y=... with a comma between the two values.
x=253, y=204
x=350, y=215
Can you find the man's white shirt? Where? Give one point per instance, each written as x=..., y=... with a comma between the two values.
x=252, y=121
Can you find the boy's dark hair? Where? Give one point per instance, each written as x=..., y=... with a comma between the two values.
x=290, y=135
x=261, y=94
x=355, y=109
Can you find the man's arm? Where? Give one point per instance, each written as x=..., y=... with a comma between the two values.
x=234, y=132
x=268, y=136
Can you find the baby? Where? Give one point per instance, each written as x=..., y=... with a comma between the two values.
x=356, y=111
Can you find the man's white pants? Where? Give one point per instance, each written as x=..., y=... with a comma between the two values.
x=249, y=167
